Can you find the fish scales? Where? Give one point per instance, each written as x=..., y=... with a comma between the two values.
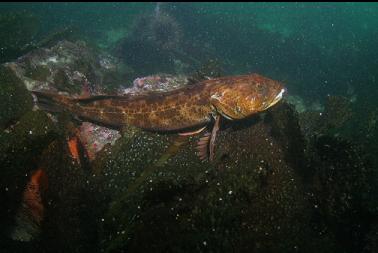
x=193, y=106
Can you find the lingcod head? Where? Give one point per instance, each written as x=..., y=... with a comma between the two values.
x=242, y=96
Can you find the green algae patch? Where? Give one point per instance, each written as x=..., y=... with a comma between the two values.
x=21, y=145
x=38, y=72
x=15, y=99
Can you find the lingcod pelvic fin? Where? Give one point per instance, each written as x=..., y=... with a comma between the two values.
x=193, y=132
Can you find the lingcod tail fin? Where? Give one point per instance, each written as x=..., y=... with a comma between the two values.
x=51, y=102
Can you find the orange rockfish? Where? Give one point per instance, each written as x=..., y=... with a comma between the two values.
x=31, y=212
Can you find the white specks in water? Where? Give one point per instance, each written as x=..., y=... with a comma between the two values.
x=6, y=189
x=180, y=199
x=204, y=243
x=102, y=219
x=229, y=192
x=218, y=184
x=220, y=199
x=30, y=132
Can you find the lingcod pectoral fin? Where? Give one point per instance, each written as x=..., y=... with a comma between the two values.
x=213, y=136
x=206, y=144
x=203, y=146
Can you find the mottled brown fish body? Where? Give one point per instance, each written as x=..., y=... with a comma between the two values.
x=176, y=110
x=168, y=111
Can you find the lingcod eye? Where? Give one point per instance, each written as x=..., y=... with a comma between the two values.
x=237, y=109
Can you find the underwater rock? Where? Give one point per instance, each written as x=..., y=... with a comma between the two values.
x=250, y=199
x=372, y=239
x=156, y=83
x=70, y=202
x=211, y=69
x=95, y=137
x=69, y=67
x=155, y=44
x=21, y=146
x=342, y=191
x=301, y=106
x=337, y=112
x=268, y=190
x=15, y=100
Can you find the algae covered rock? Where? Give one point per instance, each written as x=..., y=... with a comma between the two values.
x=21, y=147
x=69, y=67
x=249, y=199
x=343, y=191
x=332, y=120
x=70, y=203
x=15, y=100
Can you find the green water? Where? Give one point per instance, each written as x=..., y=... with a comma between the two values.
x=325, y=54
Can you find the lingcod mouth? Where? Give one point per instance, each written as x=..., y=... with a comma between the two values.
x=277, y=98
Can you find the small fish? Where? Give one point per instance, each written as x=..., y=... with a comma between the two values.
x=73, y=144
x=188, y=110
x=31, y=212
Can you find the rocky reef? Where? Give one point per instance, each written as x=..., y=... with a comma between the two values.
x=261, y=194
x=279, y=182
x=69, y=67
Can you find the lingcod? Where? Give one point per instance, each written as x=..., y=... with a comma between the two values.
x=187, y=110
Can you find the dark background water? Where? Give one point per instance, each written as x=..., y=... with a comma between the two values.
x=317, y=49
